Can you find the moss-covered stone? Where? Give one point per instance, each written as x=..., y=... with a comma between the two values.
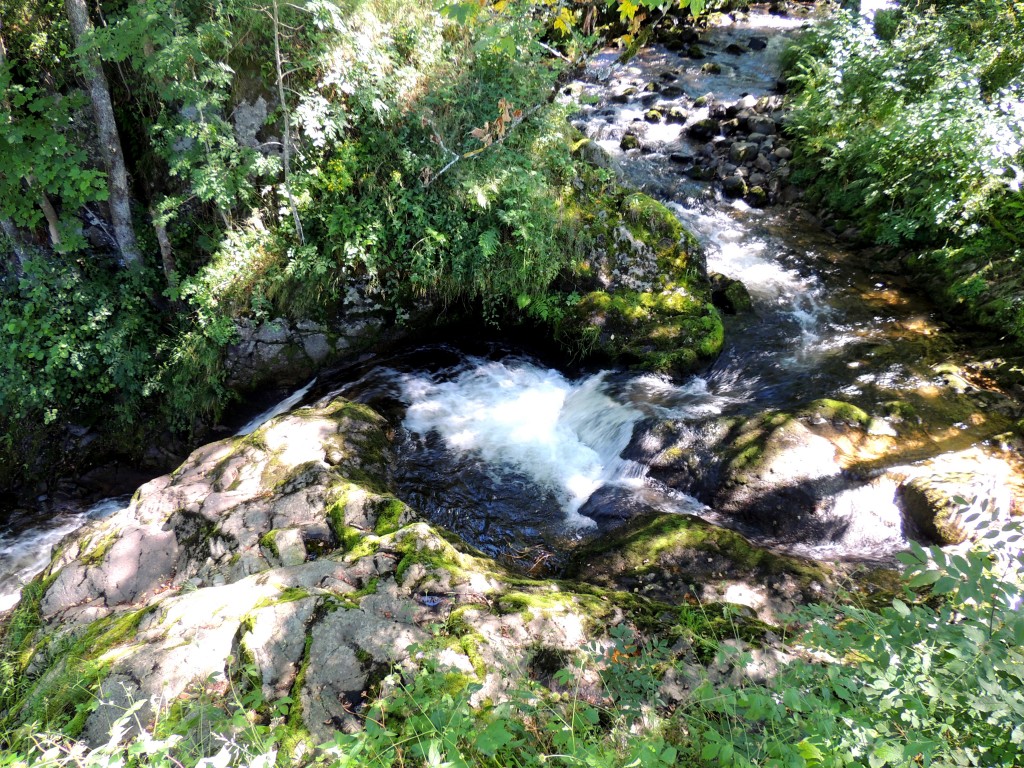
x=677, y=545
x=837, y=411
x=629, y=141
x=653, y=308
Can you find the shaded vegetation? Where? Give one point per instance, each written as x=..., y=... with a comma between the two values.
x=912, y=135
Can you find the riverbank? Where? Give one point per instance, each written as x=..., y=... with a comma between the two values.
x=909, y=132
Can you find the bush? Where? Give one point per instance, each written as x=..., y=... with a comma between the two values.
x=910, y=132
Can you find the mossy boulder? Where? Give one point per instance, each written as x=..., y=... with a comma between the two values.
x=730, y=295
x=669, y=557
x=652, y=306
x=209, y=581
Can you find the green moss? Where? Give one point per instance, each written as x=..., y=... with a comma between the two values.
x=546, y=599
x=335, y=511
x=650, y=543
x=901, y=410
x=837, y=410
x=61, y=695
x=296, y=736
x=389, y=512
x=268, y=541
x=287, y=595
x=93, y=553
x=470, y=643
x=672, y=331
x=749, y=440
x=289, y=479
x=432, y=557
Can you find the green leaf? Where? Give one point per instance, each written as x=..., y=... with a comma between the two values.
x=809, y=752
x=924, y=579
x=791, y=698
x=886, y=753
x=493, y=738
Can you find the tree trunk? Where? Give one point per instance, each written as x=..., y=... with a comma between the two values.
x=106, y=128
x=166, y=251
x=6, y=224
x=286, y=147
x=52, y=220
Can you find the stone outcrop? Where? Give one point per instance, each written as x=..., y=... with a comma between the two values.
x=279, y=560
x=950, y=496
x=289, y=353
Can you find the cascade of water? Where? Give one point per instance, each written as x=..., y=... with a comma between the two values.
x=25, y=553
x=566, y=436
x=275, y=410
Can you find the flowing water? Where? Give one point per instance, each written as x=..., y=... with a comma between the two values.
x=524, y=460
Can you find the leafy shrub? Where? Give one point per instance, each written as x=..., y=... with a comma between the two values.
x=79, y=342
x=909, y=135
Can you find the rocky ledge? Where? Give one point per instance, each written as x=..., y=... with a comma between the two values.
x=281, y=561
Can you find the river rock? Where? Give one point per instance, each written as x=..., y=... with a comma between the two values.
x=595, y=154
x=761, y=124
x=676, y=115
x=288, y=354
x=742, y=151
x=756, y=196
x=780, y=476
x=205, y=582
x=948, y=497
x=623, y=96
x=679, y=558
x=651, y=306
x=734, y=186
x=729, y=295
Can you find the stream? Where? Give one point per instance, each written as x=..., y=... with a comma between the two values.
x=525, y=460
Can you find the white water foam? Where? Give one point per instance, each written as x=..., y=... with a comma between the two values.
x=282, y=407
x=24, y=555
x=563, y=435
